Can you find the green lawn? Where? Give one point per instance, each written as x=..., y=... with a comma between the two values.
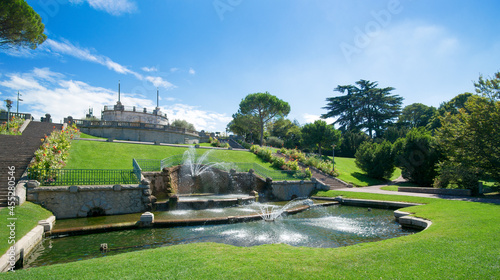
x=350, y=173
x=462, y=243
x=88, y=136
x=27, y=216
x=109, y=155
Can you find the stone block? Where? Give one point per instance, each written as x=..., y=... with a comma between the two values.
x=117, y=188
x=147, y=218
x=73, y=189
x=32, y=184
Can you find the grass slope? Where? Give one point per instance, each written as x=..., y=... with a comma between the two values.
x=350, y=173
x=27, y=216
x=108, y=155
x=462, y=243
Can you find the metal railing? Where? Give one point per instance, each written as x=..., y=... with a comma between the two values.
x=277, y=175
x=68, y=177
x=148, y=164
x=121, y=124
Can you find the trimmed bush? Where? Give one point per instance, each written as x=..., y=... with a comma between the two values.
x=274, y=141
x=417, y=156
x=377, y=160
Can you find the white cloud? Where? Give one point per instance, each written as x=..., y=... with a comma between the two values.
x=159, y=82
x=191, y=71
x=50, y=92
x=173, y=69
x=149, y=69
x=310, y=118
x=114, y=7
x=67, y=48
x=419, y=59
x=202, y=120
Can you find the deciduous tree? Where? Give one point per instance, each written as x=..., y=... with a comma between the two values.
x=320, y=134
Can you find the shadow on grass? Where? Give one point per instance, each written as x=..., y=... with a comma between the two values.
x=368, y=180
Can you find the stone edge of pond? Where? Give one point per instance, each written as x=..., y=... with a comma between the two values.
x=404, y=218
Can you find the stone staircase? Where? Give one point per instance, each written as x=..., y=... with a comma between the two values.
x=234, y=144
x=328, y=180
x=18, y=150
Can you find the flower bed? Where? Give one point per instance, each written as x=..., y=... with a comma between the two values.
x=53, y=153
x=15, y=124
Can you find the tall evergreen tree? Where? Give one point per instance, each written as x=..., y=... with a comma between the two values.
x=20, y=25
x=364, y=107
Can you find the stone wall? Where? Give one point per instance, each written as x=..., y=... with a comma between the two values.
x=140, y=134
x=131, y=116
x=178, y=180
x=81, y=201
x=288, y=190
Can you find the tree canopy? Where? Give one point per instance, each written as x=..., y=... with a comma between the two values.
x=416, y=115
x=264, y=107
x=183, y=124
x=20, y=25
x=364, y=107
x=320, y=134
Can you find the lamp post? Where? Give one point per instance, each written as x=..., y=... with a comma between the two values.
x=333, y=156
x=8, y=104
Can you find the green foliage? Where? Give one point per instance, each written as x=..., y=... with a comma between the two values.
x=456, y=175
x=351, y=140
x=471, y=138
x=246, y=126
x=416, y=115
x=53, y=152
x=287, y=131
x=264, y=153
x=183, y=124
x=319, y=134
x=265, y=107
x=15, y=124
x=417, y=156
x=452, y=107
x=377, y=160
x=489, y=88
x=20, y=25
x=364, y=107
x=274, y=141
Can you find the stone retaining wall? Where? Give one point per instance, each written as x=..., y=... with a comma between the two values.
x=288, y=190
x=79, y=201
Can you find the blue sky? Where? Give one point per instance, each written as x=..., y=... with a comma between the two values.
x=206, y=56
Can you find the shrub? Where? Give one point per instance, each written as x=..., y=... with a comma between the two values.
x=278, y=162
x=377, y=160
x=417, y=156
x=15, y=124
x=274, y=141
x=53, y=152
x=292, y=165
x=459, y=176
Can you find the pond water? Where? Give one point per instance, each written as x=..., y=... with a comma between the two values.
x=328, y=227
